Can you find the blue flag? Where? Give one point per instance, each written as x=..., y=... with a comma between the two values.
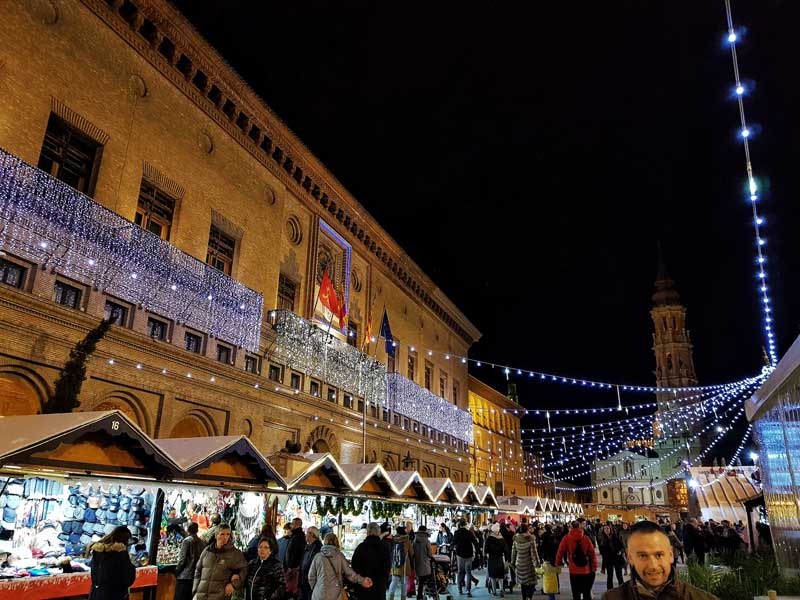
x=386, y=334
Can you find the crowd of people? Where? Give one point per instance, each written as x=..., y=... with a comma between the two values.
x=396, y=562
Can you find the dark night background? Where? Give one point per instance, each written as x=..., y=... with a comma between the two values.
x=529, y=157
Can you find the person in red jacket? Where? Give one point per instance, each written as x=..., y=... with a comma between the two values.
x=579, y=553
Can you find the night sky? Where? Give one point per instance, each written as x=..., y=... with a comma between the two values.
x=529, y=157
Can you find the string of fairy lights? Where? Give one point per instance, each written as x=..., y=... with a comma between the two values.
x=740, y=90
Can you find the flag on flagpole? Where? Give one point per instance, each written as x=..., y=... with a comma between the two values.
x=386, y=334
x=327, y=295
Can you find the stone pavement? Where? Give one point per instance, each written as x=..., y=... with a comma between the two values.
x=481, y=593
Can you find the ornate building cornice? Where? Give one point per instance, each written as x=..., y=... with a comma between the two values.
x=164, y=37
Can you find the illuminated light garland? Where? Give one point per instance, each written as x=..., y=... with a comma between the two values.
x=567, y=471
x=304, y=347
x=408, y=398
x=753, y=192
x=620, y=461
x=49, y=223
x=730, y=466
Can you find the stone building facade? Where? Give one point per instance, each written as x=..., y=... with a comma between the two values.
x=124, y=101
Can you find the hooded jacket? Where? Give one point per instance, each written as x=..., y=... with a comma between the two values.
x=265, y=580
x=423, y=554
x=214, y=570
x=567, y=548
x=112, y=572
x=191, y=548
x=524, y=558
x=464, y=543
x=405, y=569
x=327, y=570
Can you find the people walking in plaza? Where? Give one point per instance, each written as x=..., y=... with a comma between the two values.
x=423, y=555
x=283, y=543
x=313, y=546
x=252, y=547
x=525, y=560
x=371, y=559
x=612, y=550
x=328, y=569
x=221, y=568
x=112, y=571
x=652, y=574
x=402, y=563
x=578, y=552
x=464, y=547
x=550, y=582
x=191, y=548
x=444, y=536
x=293, y=560
x=265, y=576
x=497, y=553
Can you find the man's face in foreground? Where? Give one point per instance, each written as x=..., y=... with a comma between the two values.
x=651, y=556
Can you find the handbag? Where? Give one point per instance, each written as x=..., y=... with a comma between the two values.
x=293, y=581
x=345, y=594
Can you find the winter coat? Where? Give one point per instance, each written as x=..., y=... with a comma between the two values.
x=444, y=537
x=214, y=570
x=524, y=558
x=371, y=559
x=423, y=554
x=308, y=555
x=497, y=553
x=548, y=546
x=611, y=549
x=191, y=549
x=624, y=534
x=325, y=576
x=567, y=548
x=407, y=550
x=265, y=580
x=283, y=546
x=676, y=590
x=112, y=572
x=464, y=543
x=549, y=575
x=252, y=547
x=297, y=546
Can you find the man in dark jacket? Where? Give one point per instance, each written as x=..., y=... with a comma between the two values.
x=297, y=545
x=313, y=546
x=464, y=546
x=191, y=548
x=652, y=575
x=371, y=559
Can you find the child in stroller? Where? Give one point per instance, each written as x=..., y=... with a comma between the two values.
x=435, y=586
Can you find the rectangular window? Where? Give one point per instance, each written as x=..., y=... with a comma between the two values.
x=11, y=274
x=416, y=427
x=406, y=424
x=361, y=406
x=156, y=329
x=456, y=391
x=221, y=249
x=373, y=410
x=192, y=342
x=155, y=210
x=396, y=419
x=411, y=370
x=274, y=373
x=296, y=381
x=67, y=295
x=224, y=354
x=428, y=376
x=333, y=394
x=348, y=401
x=116, y=314
x=385, y=415
x=314, y=388
x=442, y=384
x=70, y=155
x=352, y=333
x=251, y=364
x=287, y=293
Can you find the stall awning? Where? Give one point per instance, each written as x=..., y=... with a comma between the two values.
x=225, y=459
x=722, y=491
x=322, y=474
x=82, y=442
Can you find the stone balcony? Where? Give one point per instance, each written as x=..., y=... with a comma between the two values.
x=49, y=223
x=307, y=348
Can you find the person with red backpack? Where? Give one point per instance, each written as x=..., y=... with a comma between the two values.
x=578, y=551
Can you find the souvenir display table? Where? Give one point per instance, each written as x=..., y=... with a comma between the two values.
x=67, y=585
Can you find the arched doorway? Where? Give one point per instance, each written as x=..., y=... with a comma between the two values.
x=18, y=396
x=192, y=425
x=126, y=403
x=320, y=446
x=322, y=439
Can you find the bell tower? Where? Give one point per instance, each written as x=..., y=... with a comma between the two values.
x=672, y=344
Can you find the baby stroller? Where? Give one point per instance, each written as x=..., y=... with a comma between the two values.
x=441, y=576
x=446, y=550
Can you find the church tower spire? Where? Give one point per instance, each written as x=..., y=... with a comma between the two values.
x=672, y=344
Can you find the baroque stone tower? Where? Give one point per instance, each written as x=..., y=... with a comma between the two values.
x=672, y=346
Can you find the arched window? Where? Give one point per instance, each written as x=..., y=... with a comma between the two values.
x=613, y=470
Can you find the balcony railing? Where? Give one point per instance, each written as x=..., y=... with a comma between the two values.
x=414, y=401
x=303, y=346
x=50, y=223
x=310, y=349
